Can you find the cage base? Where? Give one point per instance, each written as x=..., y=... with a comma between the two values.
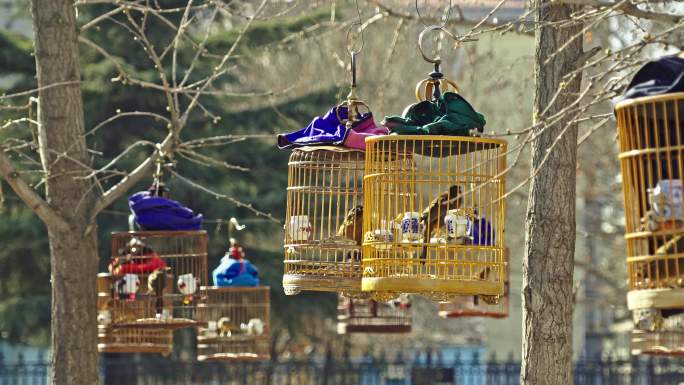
x=344, y=328
x=233, y=357
x=294, y=283
x=433, y=288
x=472, y=313
x=164, y=350
x=154, y=323
x=665, y=343
x=656, y=298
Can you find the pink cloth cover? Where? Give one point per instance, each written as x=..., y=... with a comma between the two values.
x=356, y=137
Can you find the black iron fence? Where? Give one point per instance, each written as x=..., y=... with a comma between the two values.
x=366, y=370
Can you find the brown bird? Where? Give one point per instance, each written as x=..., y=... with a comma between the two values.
x=156, y=283
x=433, y=215
x=352, y=227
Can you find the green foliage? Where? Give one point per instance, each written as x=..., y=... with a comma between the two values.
x=13, y=55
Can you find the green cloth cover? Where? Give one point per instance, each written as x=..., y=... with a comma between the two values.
x=448, y=115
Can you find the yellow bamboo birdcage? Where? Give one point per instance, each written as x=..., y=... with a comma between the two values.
x=478, y=305
x=364, y=315
x=434, y=216
x=652, y=164
x=236, y=324
x=323, y=227
x=126, y=340
x=156, y=278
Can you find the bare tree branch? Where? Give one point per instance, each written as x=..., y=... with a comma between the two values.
x=27, y=194
x=629, y=9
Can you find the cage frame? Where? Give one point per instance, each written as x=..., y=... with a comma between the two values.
x=348, y=323
x=500, y=310
x=651, y=151
x=207, y=341
x=309, y=274
x=431, y=148
x=140, y=312
x=127, y=340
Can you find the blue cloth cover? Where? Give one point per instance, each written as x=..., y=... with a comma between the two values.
x=235, y=272
x=157, y=213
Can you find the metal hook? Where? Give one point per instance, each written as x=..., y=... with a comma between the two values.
x=359, y=25
x=233, y=225
x=437, y=60
x=445, y=18
x=351, y=42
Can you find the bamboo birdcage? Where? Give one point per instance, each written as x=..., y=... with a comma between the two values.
x=480, y=306
x=411, y=184
x=322, y=222
x=126, y=340
x=359, y=315
x=652, y=164
x=166, y=298
x=236, y=324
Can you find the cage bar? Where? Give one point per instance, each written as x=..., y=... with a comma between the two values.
x=128, y=340
x=236, y=324
x=651, y=148
x=358, y=315
x=323, y=226
x=480, y=306
x=156, y=278
x=434, y=216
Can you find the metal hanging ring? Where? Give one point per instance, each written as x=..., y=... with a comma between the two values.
x=436, y=60
x=356, y=39
x=446, y=17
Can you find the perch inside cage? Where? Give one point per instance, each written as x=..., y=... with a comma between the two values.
x=651, y=160
x=434, y=216
x=156, y=277
x=357, y=315
x=126, y=340
x=323, y=223
x=236, y=324
x=479, y=305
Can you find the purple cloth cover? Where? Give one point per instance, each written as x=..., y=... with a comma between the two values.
x=328, y=130
x=157, y=213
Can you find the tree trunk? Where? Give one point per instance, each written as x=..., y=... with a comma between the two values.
x=64, y=156
x=550, y=228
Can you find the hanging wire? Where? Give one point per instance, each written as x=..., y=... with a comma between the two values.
x=445, y=16
x=352, y=40
x=355, y=43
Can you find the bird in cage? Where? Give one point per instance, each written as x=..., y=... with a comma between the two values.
x=431, y=218
x=254, y=327
x=156, y=283
x=226, y=327
x=352, y=228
